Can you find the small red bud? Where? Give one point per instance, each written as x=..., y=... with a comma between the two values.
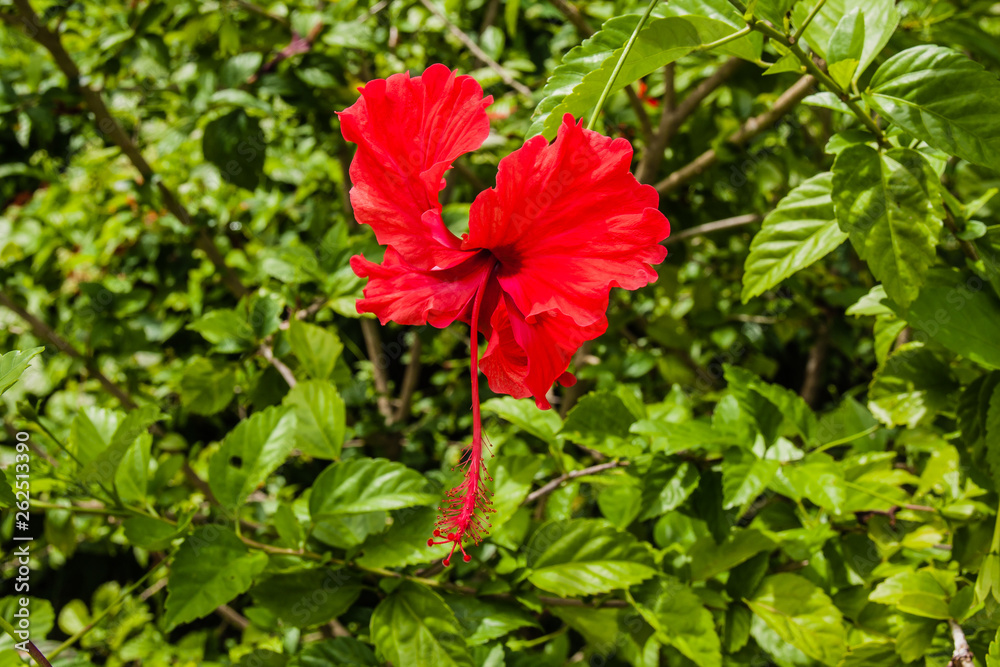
x=447, y=562
x=466, y=558
x=430, y=542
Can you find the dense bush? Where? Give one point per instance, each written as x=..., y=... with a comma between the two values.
x=784, y=451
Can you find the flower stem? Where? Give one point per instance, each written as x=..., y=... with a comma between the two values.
x=620, y=64
x=464, y=512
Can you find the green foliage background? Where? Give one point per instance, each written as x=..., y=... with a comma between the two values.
x=782, y=452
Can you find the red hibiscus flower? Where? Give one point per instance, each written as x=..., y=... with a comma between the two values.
x=565, y=223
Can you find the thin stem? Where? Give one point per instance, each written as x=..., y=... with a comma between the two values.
x=32, y=649
x=107, y=610
x=805, y=24
x=725, y=40
x=554, y=484
x=464, y=511
x=620, y=64
x=476, y=51
x=847, y=439
x=767, y=29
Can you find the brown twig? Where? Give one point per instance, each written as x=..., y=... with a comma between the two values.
x=233, y=617
x=574, y=16
x=673, y=117
x=42, y=330
x=36, y=29
x=962, y=656
x=814, y=365
x=476, y=51
x=749, y=130
x=255, y=9
x=571, y=394
x=373, y=344
x=410, y=379
x=279, y=365
x=714, y=226
x=554, y=484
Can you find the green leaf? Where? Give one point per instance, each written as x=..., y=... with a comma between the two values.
x=104, y=465
x=367, y=485
x=779, y=403
x=308, y=597
x=848, y=38
x=890, y=206
x=226, y=330
x=404, y=542
x=250, y=453
x=600, y=420
x=316, y=348
x=942, y=97
x=7, y=497
x=802, y=615
x=234, y=142
x=510, y=12
x=91, y=432
x=41, y=618
x=485, y=620
x=342, y=652
x=150, y=533
x=666, y=485
x=130, y=476
x=911, y=387
x=709, y=558
x=211, y=568
x=958, y=310
x=290, y=264
x=923, y=593
x=993, y=657
x=320, y=418
x=679, y=618
x=413, y=627
x=578, y=82
x=880, y=20
x=801, y=230
x=586, y=556
x=13, y=364
x=543, y=424
x=744, y=477
x=205, y=387
x=512, y=479
x=715, y=19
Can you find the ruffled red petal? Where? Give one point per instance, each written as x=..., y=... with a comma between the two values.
x=400, y=292
x=526, y=356
x=408, y=132
x=568, y=222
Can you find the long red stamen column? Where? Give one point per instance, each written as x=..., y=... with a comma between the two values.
x=464, y=513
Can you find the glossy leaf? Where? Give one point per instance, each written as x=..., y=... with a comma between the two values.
x=577, y=83
x=250, y=453
x=942, y=97
x=413, y=627
x=13, y=364
x=679, y=618
x=319, y=418
x=800, y=231
x=802, y=615
x=211, y=568
x=367, y=485
x=586, y=556
x=890, y=207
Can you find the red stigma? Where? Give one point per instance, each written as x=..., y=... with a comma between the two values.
x=466, y=507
